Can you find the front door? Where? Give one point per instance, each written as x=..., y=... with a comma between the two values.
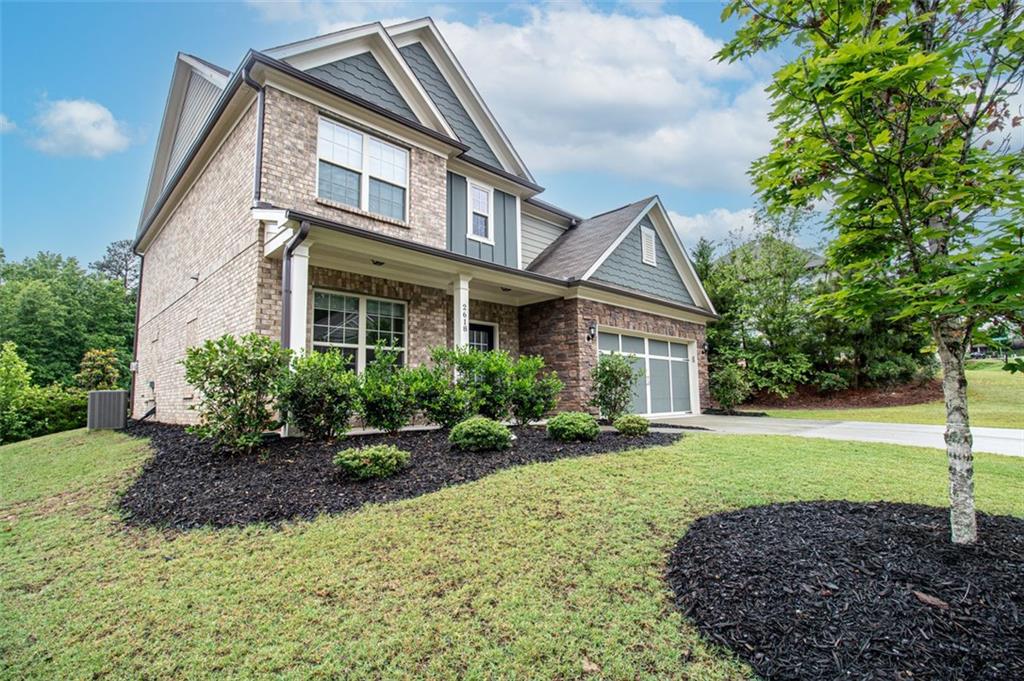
x=481, y=336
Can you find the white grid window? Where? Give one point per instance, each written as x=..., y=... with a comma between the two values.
x=361, y=171
x=480, y=201
x=353, y=325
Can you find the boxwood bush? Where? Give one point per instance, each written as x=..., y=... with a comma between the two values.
x=573, y=426
x=320, y=395
x=386, y=392
x=532, y=392
x=480, y=434
x=442, y=399
x=632, y=425
x=373, y=461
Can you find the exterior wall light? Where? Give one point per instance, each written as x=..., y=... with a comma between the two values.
x=592, y=332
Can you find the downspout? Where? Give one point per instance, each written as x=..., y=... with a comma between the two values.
x=286, y=282
x=135, y=340
x=261, y=98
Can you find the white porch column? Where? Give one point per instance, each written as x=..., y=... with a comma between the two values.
x=299, y=298
x=460, y=298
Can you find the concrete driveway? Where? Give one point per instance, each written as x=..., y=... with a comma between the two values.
x=1008, y=441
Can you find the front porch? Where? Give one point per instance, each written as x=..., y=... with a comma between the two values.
x=342, y=288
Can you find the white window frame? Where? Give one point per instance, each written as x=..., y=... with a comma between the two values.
x=364, y=172
x=361, y=346
x=493, y=325
x=692, y=360
x=470, y=184
x=645, y=233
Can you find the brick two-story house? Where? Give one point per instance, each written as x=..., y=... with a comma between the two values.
x=355, y=187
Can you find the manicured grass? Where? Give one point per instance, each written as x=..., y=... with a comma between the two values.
x=995, y=398
x=534, y=572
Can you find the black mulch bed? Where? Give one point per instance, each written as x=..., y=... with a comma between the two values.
x=830, y=590
x=187, y=484
x=733, y=412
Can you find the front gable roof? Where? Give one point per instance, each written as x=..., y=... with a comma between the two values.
x=582, y=252
x=474, y=110
x=331, y=55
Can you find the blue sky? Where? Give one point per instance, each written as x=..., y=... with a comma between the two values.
x=609, y=102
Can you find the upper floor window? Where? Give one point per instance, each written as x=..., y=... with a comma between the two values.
x=480, y=202
x=362, y=171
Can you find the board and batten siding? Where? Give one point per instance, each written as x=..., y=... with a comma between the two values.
x=537, y=235
x=503, y=213
x=200, y=97
x=625, y=267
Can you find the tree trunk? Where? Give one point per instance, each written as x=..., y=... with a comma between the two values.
x=952, y=339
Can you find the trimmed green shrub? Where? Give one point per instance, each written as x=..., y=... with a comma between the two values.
x=729, y=386
x=573, y=426
x=480, y=434
x=386, y=392
x=632, y=425
x=532, y=394
x=99, y=370
x=40, y=411
x=830, y=381
x=487, y=374
x=613, y=380
x=236, y=379
x=440, y=397
x=320, y=395
x=374, y=461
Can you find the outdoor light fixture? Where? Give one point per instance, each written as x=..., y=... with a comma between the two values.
x=378, y=263
x=505, y=289
x=704, y=347
x=592, y=331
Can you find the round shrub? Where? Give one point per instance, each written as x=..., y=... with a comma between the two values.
x=374, y=461
x=320, y=395
x=480, y=434
x=729, y=386
x=573, y=426
x=632, y=425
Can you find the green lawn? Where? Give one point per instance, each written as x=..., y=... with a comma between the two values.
x=994, y=398
x=530, y=573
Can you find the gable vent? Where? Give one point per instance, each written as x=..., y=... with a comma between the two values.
x=647, y=250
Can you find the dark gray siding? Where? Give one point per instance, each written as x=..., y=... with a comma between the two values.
x=625, y=267
x=505, y=249
x=446, y=100
x=363, y=76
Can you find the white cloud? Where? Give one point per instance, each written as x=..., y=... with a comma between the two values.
x=79, y=127
x=579, y=89
x=716, y=224
x=6, y=124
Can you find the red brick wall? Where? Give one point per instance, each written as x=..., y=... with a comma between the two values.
x=557, y=330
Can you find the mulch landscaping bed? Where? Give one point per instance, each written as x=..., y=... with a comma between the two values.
x=829, y=590
x=807, y=397
x=187, y=484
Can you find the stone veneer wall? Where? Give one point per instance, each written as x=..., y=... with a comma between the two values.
x=290, y=172
x=557, y=331
x=212, y=236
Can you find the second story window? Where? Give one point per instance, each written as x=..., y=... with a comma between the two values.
x=480, y=213
x=361, y=171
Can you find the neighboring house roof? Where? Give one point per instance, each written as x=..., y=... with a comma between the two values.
x=576, y=251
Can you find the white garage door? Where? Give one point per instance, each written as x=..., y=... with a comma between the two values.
x=668, y=380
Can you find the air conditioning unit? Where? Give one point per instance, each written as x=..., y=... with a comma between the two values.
x=108, y=409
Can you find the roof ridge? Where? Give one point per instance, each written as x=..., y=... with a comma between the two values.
x=622, y=207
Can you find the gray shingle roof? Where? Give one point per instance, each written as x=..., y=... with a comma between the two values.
x=573, y=253
x=363, y=76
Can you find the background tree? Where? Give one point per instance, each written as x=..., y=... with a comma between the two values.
x=703, y=257
x=898, y=111
x=120, y=264
x=54, y=310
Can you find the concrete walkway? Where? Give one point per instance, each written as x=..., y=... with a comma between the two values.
x=1008, y=441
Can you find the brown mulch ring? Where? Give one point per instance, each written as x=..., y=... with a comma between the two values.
x=828, y=590
x=187, y=484
x=806, y=397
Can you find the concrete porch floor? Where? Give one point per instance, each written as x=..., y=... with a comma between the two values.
x=1006, y=441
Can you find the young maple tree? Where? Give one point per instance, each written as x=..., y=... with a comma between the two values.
x=902, y=115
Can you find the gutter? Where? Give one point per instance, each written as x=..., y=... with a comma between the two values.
x=261, y=105
x=286, y=281
x=500, y=172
